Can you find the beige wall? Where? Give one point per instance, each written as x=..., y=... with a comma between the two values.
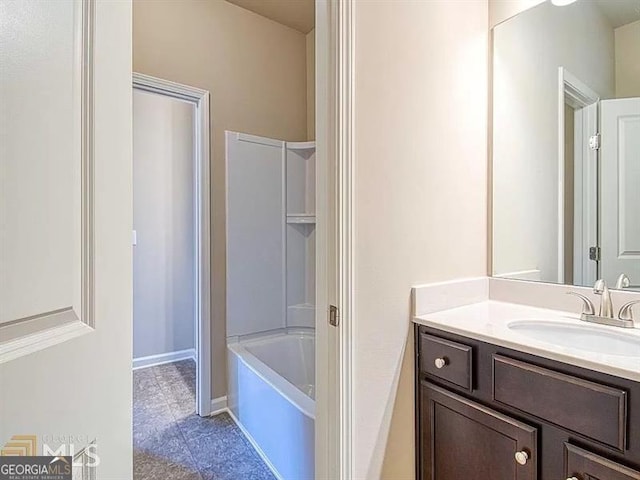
x=627, y=40
x=421, y=191
x=255, y=70
x=163, y=218
x=311, y=85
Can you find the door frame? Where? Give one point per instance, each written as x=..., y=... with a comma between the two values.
x=202, y=206
x=576, y=94
x=335, y=211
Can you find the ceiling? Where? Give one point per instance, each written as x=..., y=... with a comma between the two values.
x=297, y=14
x=620, y=12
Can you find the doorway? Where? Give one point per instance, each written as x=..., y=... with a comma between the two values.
x=188, y=108
x=239, y=107
x=578, y=180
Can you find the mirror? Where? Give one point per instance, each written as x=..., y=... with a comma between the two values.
x=566, y=144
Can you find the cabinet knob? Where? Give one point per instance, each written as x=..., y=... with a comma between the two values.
x=522, y=457
x=440, y=362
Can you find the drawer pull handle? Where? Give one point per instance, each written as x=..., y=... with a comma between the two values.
x=522, y=457
x=440, y=362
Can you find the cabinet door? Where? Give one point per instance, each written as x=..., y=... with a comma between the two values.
x=583, y=465
x=460, y=439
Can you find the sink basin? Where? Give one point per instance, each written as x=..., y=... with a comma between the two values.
x=591, y=339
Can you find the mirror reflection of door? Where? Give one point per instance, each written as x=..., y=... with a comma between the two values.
x=620, y=191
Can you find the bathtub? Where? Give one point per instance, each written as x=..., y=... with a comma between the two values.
x=271, y=396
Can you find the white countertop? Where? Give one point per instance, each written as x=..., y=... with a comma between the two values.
x=488, y=321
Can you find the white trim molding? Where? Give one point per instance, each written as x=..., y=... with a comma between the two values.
x=162, y=358
x=344, y=133
x=576, y=94
x=87, y=169
x=22, y=336
x=200, y=98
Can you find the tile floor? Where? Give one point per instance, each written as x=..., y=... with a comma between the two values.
x=171, y=442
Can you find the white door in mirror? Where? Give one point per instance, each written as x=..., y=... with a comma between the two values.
x=620, y=195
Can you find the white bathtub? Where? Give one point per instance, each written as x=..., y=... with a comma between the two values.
x=271, y=395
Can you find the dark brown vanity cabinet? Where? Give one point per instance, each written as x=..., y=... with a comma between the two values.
x=489, y=413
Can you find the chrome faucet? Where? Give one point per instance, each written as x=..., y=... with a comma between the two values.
x=606, y=304
x=605, y=313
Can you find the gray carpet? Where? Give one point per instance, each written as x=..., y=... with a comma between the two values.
x=171, y=442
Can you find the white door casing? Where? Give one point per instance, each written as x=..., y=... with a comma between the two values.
x=202, y=234
x=327, y=407
x=65, y=235
x=585, y=228
x=620, y=190
x=575, y=93
x=334, y=215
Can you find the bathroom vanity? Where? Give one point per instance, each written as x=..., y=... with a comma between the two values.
x=488, y=411
x=505, y=389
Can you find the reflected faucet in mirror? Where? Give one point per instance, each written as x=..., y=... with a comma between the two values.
x=605, y=312
x=624, y=281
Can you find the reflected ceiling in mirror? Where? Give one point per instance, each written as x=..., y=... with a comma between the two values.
x=566, y=144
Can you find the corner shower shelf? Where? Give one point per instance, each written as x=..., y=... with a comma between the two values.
x=271, y=204
x=301, y=218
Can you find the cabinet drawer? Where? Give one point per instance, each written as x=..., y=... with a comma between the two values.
x=584, y=465
x=447, y=360
x=587, y=408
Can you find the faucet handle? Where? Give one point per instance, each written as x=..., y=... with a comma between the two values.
x=587, y=308
x=626, y=311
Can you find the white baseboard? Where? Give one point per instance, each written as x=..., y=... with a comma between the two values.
x=152, y=360
x=255, y=446
x=219, y=405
